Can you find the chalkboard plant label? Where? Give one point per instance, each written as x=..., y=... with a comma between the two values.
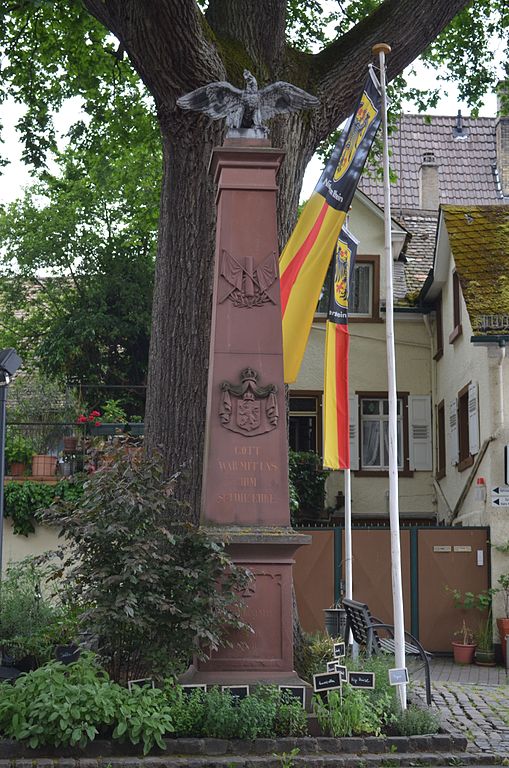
x=339, y=650
x=295, y=691
x=343, y=671
x=361, y=679
x=143, y=682
x=237, y=692
x=326, y=681
x=398, y=676
x=332, y=666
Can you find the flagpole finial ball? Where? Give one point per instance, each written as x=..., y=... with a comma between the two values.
x=381, y=48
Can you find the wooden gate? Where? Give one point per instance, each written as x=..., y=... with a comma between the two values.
x=432, y=560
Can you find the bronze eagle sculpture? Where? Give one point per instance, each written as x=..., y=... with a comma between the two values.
x=249, y=108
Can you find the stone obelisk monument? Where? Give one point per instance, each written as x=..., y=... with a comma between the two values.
x=245, y=474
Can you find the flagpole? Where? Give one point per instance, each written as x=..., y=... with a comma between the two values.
x=348, y=537
x=397, y=590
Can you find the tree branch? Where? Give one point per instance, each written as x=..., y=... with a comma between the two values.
x=340, y=69
x=247, y=23
x=166, y=42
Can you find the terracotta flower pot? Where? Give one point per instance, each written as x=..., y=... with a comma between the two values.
x=17, y=469
x=463, y=654
x=43, y=466
x=503, y=631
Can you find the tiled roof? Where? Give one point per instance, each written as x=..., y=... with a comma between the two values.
x=422, y=225
x=465, y=165
x=479, y=238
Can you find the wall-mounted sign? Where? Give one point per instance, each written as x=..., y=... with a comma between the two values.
x=398, y=676
x=328, y=681
x=295, y=691
x=462, y=549
x=441, y=548
x=339, y=650
x=361, y=679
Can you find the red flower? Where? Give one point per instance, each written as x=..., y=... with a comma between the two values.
x=81, y=419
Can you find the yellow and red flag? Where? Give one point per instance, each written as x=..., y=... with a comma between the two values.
x=306, y=257
x=336, y=417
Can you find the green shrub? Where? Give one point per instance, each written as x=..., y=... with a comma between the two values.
x=151, y=591
x=308, y=480
x=215, y=714
x=60, y=705
x=24, y=502
x=415, y=721
x=312, y=657
x=366, y=711
x=31, y=622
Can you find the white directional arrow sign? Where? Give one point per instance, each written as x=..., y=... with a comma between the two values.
x=500, y=501
x=501, y=490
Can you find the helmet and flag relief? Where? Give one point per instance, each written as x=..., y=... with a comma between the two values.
x=306, y=257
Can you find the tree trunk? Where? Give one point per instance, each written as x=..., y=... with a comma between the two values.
x=177, y=382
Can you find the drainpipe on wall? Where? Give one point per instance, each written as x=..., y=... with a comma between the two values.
x=501, y=358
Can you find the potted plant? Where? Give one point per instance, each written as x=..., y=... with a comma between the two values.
x=113, y=419
x=136, y=426
x=503, y=621
x=464, y=648
x=44, y=465
x=18, y=453
x=484, y=653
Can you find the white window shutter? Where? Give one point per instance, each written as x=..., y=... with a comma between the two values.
x=454, y=447
x=419, y=427
x=353, y=404
x=473, y=419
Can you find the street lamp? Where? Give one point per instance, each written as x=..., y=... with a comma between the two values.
x=9, y=364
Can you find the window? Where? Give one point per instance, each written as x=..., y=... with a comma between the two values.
x=439, y=340
x=441, y=470
x=364, y=294
x=464, y=434
x=456, y=308
x=374, y=432
x=305, y=422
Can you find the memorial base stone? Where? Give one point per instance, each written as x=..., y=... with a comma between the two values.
x=264, y=655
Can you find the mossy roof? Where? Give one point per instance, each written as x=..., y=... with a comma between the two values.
x=479, y=239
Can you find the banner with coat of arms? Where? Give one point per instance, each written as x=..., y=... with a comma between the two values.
x=306, y=257
x=336, y=417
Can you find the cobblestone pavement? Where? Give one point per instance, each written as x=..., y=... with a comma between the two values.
x=473, y=702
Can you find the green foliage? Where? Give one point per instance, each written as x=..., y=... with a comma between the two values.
x=266, y=713
x=24, y=502
x=366, y=711
x=316, y=651
x=287, y=759
x=31, y=623
x=416, y=721
x=70, y=705
x=308, y=480
x=18, y=448
x=112, y=412
x=151, y=591
x=37, y=398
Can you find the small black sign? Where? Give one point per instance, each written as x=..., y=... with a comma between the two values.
x=189, y=689
x=144, y=682
x=332, y=666
x=296, y=691
x=237, y=692
x=361, y=679
x=343, y=671
x=339, y=650
x=327, y=681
